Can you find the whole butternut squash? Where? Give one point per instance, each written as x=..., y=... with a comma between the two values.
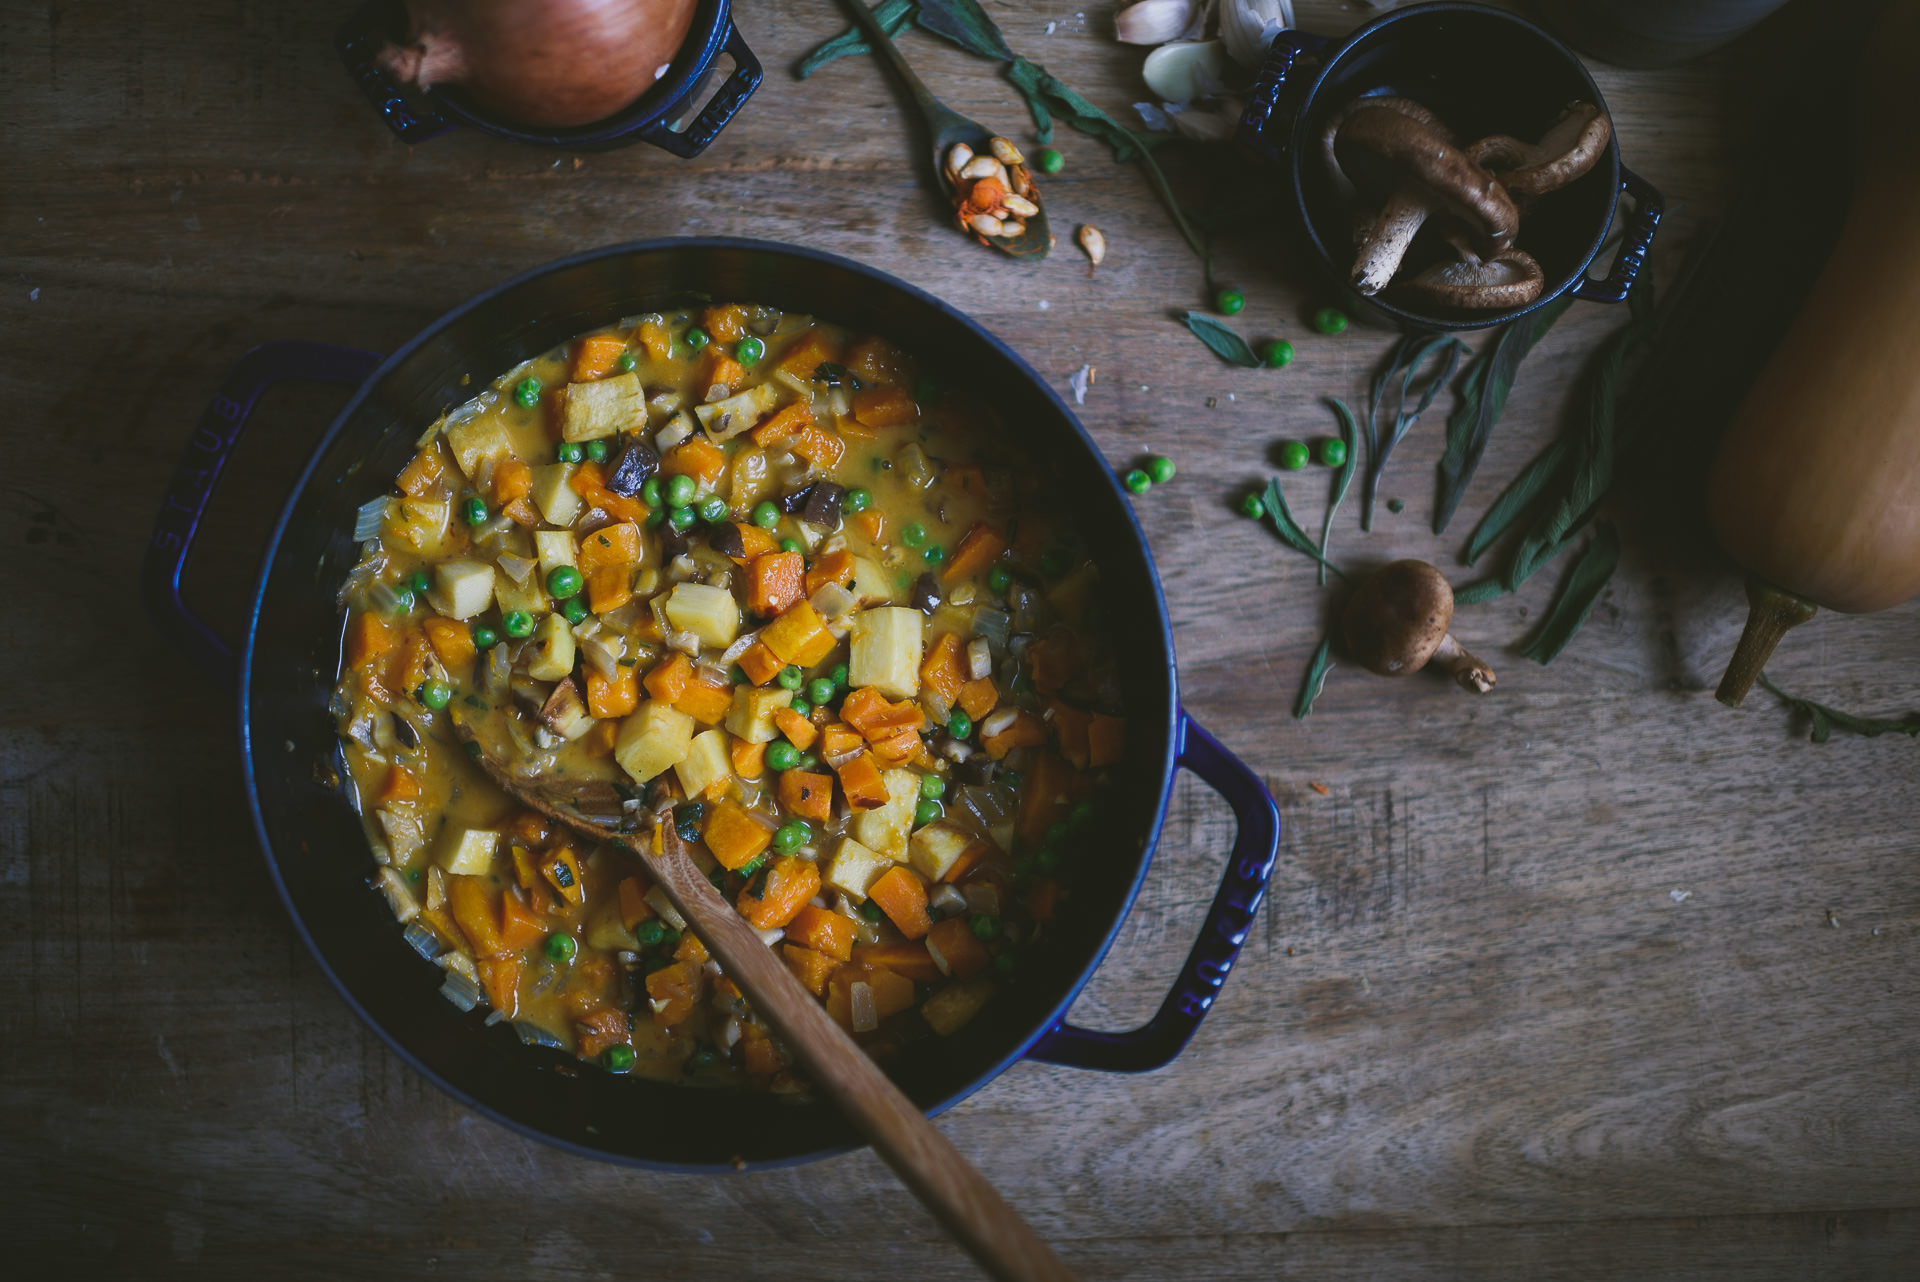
x=1816, y=488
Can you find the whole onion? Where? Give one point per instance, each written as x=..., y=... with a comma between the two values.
x=550, y=63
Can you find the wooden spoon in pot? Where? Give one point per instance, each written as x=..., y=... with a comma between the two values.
x=925, y=1160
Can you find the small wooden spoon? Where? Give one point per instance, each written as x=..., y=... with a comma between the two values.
x=925, y=1160
x=947, y=127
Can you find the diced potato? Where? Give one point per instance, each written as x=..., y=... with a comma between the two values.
x=476, y=440
x=727, y=419
x=708, y=612
x=872, y=585
x=885, y=828
x=530, y=596
x=653, y=739
x=936, y=848
x=558, y=501
x=854, y=868
x=555, y=549
x=553, y=649
x=955, y=1004
x=604, y=407
x=468, y=852
x=886, y=651
x=461, y=589
x=421, y=524
x=753, y=708
x=707, y=762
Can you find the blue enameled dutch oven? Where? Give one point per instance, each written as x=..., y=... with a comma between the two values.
x=318, y=855
x=651, y=117
x=1482, y=71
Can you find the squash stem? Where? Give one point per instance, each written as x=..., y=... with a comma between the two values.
x=1773, y=612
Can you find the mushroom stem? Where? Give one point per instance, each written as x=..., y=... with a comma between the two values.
x=1384, y=246
x=1453, y=658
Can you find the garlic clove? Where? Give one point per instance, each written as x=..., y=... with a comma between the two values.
x=1152, y=22
x=1209, y=126
x=1186, y=70
x=1247, y=27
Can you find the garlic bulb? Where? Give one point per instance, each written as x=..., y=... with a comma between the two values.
x=1247, y=27
x=1185, y=70
x=1152, y=22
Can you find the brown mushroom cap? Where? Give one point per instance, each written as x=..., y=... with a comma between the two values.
x=1569, y=148
x=1405, y=106
x=1510, y=278
x=1397, y=617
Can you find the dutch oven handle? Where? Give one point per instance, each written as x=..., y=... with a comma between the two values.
x=1267, y=123
x=1244, y=884
x=713, y=117
x=192, y=485
x=358, y=40
x=1649, y=206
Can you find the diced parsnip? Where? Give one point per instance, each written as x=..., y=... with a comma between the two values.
x=886, y=651
x=677, y=429
x=853, y=868
x=421, y=524
x=478, y=439
x=605, y=929
x=399, y=895
x=461, y=589
x=727, y=419
x=554, y=548
x=885, y=828
x=552, y=650
x=530, y=596
x=937, y=848
x=604, y=407
x=665, y=402
x=707, y=762
x=468, y=852
x=955, y=1004
x=753, y=708
x=558, y=501
x=652, y=740
x=708, y=612
x=658, y=901
x=870, y=584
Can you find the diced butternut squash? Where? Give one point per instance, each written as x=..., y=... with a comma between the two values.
x=942, y=671
x=809, y=352
x=944, y=851
x=978, y=548
x=708, y=612
x=782, y=429
x=512, y=480
x=599, y=1028
x=419, y=477
x=902, y=896
x=707, y=766
x=854, y=868
x=775, y=580
x=885, y=407
x=561, y=868
x=609, y=588
x=452, y=641
x=979, y=697
x=952, y=942
x=833, y=567
x=672, y=992
x=634, y=907
x=1070, y=727
x=1043, y=898
x=789, y=882
x=610, y=545
x=806, y=794
x=470, y=900
x=800, y=637
x=613, y=696
x=749, y=759
x=652, y=740
x=824, y=931
x=1106, y=740
x=908, y=959
x=723, y=375
x=799, y=731
x=760, y=1056
x=595, y=356
x=1048, y=795
x=820, y=446
x=872, y=526
x=760, y=664
x=401, y=784
x=705, y=703
x=589, y=481
x=809, y=966
x=725, y=322
x=368, y=637
x=1026, y=731
x=669, y=678
x=1055, y=659
x=860, y=780
x=500, y=977
x=520, y=925
x=734, y=836
x=891, y=993
x=655, y=337
x=948, y=1010
x=886, y=645
x=698, y=458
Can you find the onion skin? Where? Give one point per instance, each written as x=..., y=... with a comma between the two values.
x=545, y=63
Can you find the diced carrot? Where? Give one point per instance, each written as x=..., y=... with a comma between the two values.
x=978, y=697
x=953, y=940
x=806, y=794
x=512, y=480
x=519, y=924
x=500, y=976
x=1054, y=659
x=595, y=356
x=670, y=678
x=891, y=993
x=885, y=406
x=609, y=588
x=613, y=696
x=877, y=717
x=968, y=860
x=368, y=637
x=871, y=523
x=1047, y=796
x=452, y=640
x=472, y=907
x=690, y=949
x=1026, y=731
x=978, y=548
x=634, y=907
x=799, y=731
x=941, y=670
x=799, y=636
x=820, y=446
x=760, y=664
x=605, y=1026
x=749, y=759
x=789, y=883
x=406, y=663
x=656, y=338
x=725, y=372
x=897, y=748
x=860, y=780
x=809, y=966
x=811, y=350
x=599, y=741
x=734, y=836
x=706, y=704
x=760, y=1056
x=610, y=547
x=754, y=542
x=834, y=567
x=401, y=784
x=531, y=827
x=902, y=896
x=876, y=360
x=1070, y=732
x=1043, y=899
x=775, y=580
x=836, y=741
x=698, y=458
x=523, y=513
x=589, y=481
x=909, y=959
x=420, y=476
x=1106, y=740
x=726, y=322
x=783, y=427
x=824, y=931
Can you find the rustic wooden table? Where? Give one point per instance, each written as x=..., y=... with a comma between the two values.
x=1590, y=978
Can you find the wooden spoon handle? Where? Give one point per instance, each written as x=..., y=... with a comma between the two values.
x=946, y=1183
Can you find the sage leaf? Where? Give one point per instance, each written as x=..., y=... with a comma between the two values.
x=1480, y=590
x=964, y=23
x=1350, y=436
x=1289, y=529
x=1483, y=395
x=1824, y=720
x=1584, y=583
x=1224, y=342
x=1516, y=500
x=1406, y=359
x=892, y=16
x=1316, y=679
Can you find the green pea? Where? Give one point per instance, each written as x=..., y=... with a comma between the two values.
x=1229, y=301
x=748, y=869
x=435, y=694
x=914, y=534
x=402, y=598
x=1160, y=469
x=1333, y=452
x=766, y=515
x=926, y=812
x=857, y=500
x=1252, y=508
x=960, y=725
x=749, y=350
x=800, y=708
x=998, y=580
x=474, y=510
x=1003, y=964
x=820, y=691
x=564, y=581
x=782, y=755
x=712, y=510
x=1137, y=482
x=790, y=678
x=597, y=451
x=617, y=1058
x=934, y=555
x=484, y=637
x=655, y=516
x=574, y=609
x=1047, y=861
x=562, y=947
x=789, y=837
x=680, y=490
x=1293, y=455
x=626, y=361
x=650, y=932
x=1396, y=506
x=526, y=393
x=871, y=911
x=809, y=761
x=567, y=452
x=1329, y=320
x=1050, y=161
x=839, y=677
x=791, y=545
x=698, y=338
x=985, y=929
x=932, y=787
x=419, y=581
x=1277, y=353
x=650, y=491
x=682, y=518
x=518, y=623
x=737, y=675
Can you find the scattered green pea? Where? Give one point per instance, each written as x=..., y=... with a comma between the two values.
x=1050, y=161
x=1396, y=506
x=791, y=545
x=871, y=911
x=562, y=947
x=1333, y=452
x=800, y=708
x=679, y=490
x=597, y=451
x=932, y=787
x=626, y=361
x=682, y=518
x=1252, y=508
x=1229, y=301
x=857, y=500
x=960, y=725
x=435, y=694
x=985, y=929
x=782, y=755
x=518, y=623
x=650, y=932
x=766, y=515
x=574, y=609
x=998, y=580
x=1329, y=320
x=484, y=637
x=712, y=509
x=420, y=581
x=655, y=515
x=809, y=761
x=564, y=581
x=1047, y=861
x=839, y=677
x=934, y=555
x=526, y=393
x=790, y=678
x=1160, y=470
x=650, y=491
x=913, y=534
x=792, y=835
x=1277, y=353
x=737, y=675
x=749, y=350
x=820, y=691
x=474, y=510
x=1294, y=455
x=618, y=1058
x=698, y=338
x=1137, y=481
x=567, y=452
x=926, y=812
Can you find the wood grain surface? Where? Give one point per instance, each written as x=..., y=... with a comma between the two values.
x=1591, y=978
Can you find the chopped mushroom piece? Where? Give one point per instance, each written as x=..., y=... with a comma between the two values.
x=1572, y=146
x=1396, y=623
x=1510, y=278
